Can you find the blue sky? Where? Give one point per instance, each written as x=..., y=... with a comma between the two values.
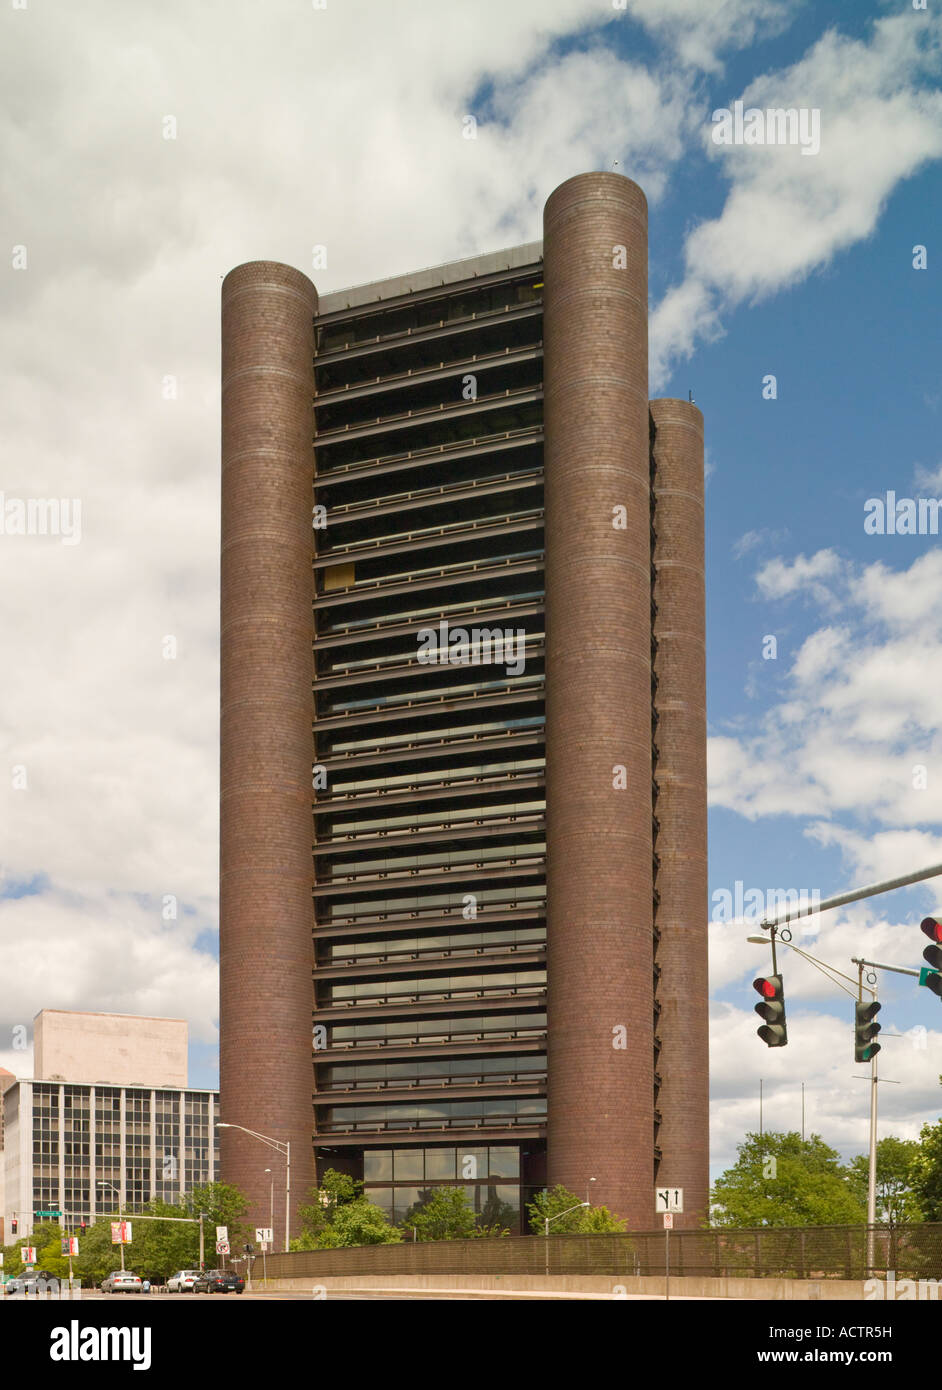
x=291, y=132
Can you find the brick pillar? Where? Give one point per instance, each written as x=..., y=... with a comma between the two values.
x=265, y=874
x=681, y=808
x=598, y=694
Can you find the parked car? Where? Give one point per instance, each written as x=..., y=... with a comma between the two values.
x=121, y=1281
x=218, y=1281
x=37, y=1281
x=182, y=1281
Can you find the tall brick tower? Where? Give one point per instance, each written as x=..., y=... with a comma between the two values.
x=265, y=875
x=599, y=891
x=474, y=951
x=681, y=802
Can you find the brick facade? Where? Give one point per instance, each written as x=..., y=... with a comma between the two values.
x=265, y=752
x=598, y=697
x=681, y=806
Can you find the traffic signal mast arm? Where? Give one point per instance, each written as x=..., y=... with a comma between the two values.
x=886, y=885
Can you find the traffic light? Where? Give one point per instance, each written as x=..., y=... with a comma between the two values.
x=13, y=1226
x=932, y=927
x=772, y=1009
x=865, y=1029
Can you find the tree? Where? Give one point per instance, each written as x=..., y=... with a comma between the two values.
x=781, y=1179
x=358, y=1223
x=335, y=1191
x=897, y=1204
x=583, y=1220
x=340, y=1215
x=443, y=1213
x=926, y=1172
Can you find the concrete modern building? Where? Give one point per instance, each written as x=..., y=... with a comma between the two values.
x=463, y=917
x=79, y=1138
x=124, y=1049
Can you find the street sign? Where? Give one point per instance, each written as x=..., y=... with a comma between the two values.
x=263, y=1233
x=222, y=1246
x=668, y=1199
x=48, y=1213
x=222, y=1232
x=668, y=1219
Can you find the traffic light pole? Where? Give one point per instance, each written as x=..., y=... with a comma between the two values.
x=886, y=885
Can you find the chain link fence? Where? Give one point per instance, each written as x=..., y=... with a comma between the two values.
x=790, y=1252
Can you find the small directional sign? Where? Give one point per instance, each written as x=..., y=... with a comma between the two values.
x=668, y=1219
x=669, y=1199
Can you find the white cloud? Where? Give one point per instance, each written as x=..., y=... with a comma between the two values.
x=788, y=214
x=820, y=1054
x=781, y=578
x=697, y=33
x=859, y=730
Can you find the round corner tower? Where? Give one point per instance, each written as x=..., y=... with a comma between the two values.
x=681, y=806
x=265, y=912
x=600, y=954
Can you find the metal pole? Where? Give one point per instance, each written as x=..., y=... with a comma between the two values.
x=546, y=1243
x=884, y=886
x=872, y=1170
x=760, y=1107
x=802, y=1112
x=121, y=1229
x=667, y=1262
x=202, y=1247
x=287, y=1190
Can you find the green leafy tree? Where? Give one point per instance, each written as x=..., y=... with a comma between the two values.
x=97, y=1257
x=781, y=1179
x=897, y=1204
x=926, y=1172
x=336, y=1190
x=339, y=1214
x=357, y=1223
x=442, y=1213
x=557, y=1203
x=223, y=1205
x=51, y=1258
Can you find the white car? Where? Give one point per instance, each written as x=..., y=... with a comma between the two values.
x=182, y=1281
x=122, y=1281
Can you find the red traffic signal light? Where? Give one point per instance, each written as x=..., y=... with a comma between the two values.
x=13, y=1226
x=772, y=1009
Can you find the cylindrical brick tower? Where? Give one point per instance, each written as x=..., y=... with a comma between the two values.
x=265, y=912
x=598, y=695
x=681, y=806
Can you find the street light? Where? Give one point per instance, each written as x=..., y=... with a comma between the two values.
x=548, y=1219
x=271, y=1208
x=101, y=1182
x=283, y=1147
x=587, y=1191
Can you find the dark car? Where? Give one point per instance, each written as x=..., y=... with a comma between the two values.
x=38, y=1281
x=218, y=1281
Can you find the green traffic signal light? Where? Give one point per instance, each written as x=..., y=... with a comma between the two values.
x=772, y=1009
x=865, y=1030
